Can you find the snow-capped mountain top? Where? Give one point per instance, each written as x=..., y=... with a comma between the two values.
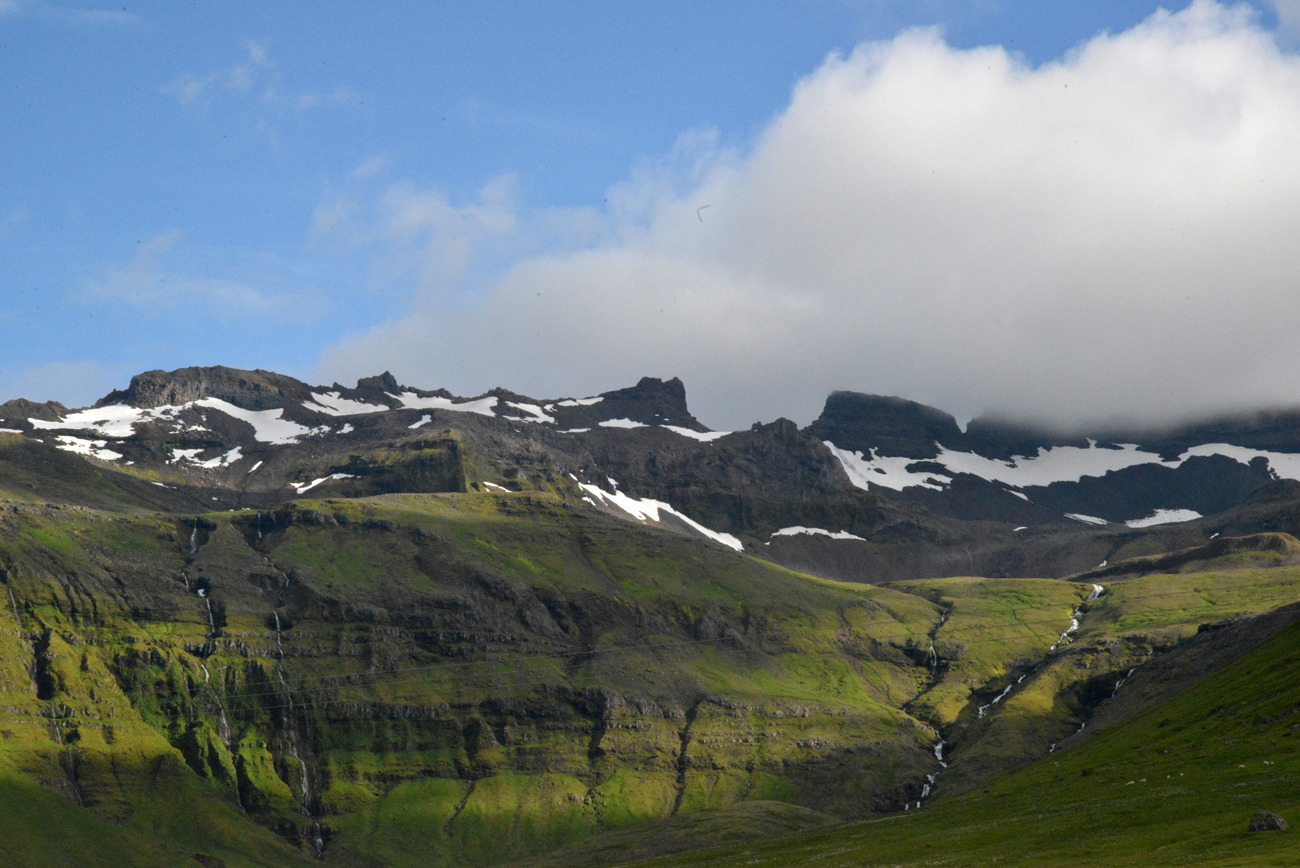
x=1003, y=471
x=870, y=468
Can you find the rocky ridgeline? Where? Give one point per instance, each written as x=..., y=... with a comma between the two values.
x=836, y=498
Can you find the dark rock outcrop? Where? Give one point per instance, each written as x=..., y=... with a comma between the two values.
x=1266, y=821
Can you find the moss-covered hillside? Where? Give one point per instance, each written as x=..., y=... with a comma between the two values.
x=473, y=679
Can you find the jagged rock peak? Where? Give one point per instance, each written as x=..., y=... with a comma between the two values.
x=385, y=382
x=892, y=426
x=252, y=390
x=651, y=401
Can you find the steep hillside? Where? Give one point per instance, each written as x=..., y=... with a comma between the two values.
x=1176, y=785
x=475, y=678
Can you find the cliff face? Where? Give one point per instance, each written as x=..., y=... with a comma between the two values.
x=526, y=675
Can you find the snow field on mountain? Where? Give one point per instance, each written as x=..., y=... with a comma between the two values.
x=412, y=401
x=269, y=426
x=1055, y=464
x=332, y=404
x=1164, y=516
x=116, y=420
x=94, y=448
x=300, y=487
x=645, y=509
x=815, y=531
x=702, y=436
x=885, y=471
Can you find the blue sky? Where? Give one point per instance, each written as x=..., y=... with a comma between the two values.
x=303, y=187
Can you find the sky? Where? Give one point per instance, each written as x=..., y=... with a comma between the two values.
x=1047, y=210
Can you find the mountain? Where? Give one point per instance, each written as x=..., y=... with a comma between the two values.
x=257, y=622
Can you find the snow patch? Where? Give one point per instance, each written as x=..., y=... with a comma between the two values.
x=222, y=460
x=183, y=455
x=536, y=412
x=424, y=420
x=815, y=531
x=644, y=509
x=116, y=420
x=10, y=431
x=1165, y=516
x=1086, y=519
x=254, y=467
x=621, y=423
x=412, y=401
x=702, y=436
x=269, y=426
x=1048, y=465
x=332, y=404
x=300, y=487
x=578, y=402
x=346, y=429
x=1019, y=494
x=493, y=485
x=93, y=448
x=884, y=471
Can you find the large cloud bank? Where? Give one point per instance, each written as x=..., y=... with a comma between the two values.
x=1113, y=235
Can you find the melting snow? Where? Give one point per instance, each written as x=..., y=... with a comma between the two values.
x=1048, y=465
x=887, y=472
x=300, y=487
x=1020, y=495
x=186, y=454
x=332, y=404
x=1165, y=516
x=424, y=420
x=221, y=460
x=10, y=431
x=113, y=421
x=254, y=467
x=412, y=401
x=1086, y=519
x=621, y=423
x=702, y=436
x=346, y=429
x=1022, y=527
x=645, y=508
x=94, y=448
x=268, y=425
x=536, y=412
x=494, y=485
x=576, y=431
x=577, y=402
x=815, y=531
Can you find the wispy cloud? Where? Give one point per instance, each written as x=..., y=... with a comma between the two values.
x=156, y=281
x=255, y=87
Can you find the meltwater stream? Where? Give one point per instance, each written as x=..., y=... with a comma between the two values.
x=291, y=731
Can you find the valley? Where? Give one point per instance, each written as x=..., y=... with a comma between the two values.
x=451, y=636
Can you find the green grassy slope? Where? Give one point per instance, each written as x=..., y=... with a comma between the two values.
x=474, y=679
x=1175, y=786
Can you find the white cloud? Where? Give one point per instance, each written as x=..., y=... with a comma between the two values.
x=1109, y=235
x=1288, y=14
x=254, y=86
